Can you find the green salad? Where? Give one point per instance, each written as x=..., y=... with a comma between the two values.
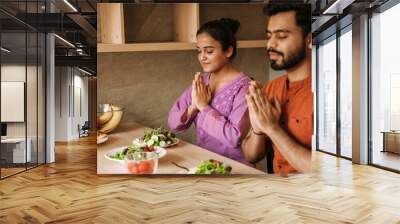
x=159, y=137
x=131, y=149
x=213, y=167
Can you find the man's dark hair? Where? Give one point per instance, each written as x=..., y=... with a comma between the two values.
x=303, y=14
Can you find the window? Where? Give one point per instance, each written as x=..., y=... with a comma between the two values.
x=385, y=88
x=346, y=92
x=326, y=55
x=328, y=96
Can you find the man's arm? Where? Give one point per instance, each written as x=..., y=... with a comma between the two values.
x=253, y=147
x=297, y=155
x=266, y=117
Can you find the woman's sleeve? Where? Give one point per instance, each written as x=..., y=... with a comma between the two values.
x=228, y=130
x=178, y=110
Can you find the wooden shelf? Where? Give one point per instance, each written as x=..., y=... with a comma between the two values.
x=129, y=47
x=185, y=21
x=167, y=46
x=252, y=43
x=112, y=23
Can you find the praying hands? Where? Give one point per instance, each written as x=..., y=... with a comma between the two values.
x=201, y=94
x=264, y=114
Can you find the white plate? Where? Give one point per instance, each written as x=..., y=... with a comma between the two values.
x=139, y=142
x=102, y=140
x=161, y=153
x=192, y=170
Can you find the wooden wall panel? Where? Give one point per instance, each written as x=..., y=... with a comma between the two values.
x=186, y=22
x=251, y=18
x=112, y=23
x=148, y=23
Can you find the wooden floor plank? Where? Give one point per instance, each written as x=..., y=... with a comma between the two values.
x=70, y=191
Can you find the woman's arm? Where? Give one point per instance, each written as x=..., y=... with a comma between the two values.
x=182, y=113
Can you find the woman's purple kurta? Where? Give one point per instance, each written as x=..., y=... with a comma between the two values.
x=221, y=124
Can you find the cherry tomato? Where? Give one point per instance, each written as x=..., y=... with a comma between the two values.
x=143, y=167
x=146, y=167
x=216, y=162
x=133, y=168
x=150, y=148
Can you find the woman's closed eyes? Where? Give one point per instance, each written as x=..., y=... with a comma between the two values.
x=207, y=51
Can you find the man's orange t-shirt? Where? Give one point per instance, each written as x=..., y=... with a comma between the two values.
x=297, y=116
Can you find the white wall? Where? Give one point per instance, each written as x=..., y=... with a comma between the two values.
x=13, y=72
x=81, y=82
x=33, y=126
x=69, y=82
x=61, y=103
x=16, y=73
x=13, y=101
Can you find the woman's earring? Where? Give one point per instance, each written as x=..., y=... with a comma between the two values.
x=310, y=45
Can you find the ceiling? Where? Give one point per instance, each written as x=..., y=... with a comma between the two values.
x=328, y=16
x=72, y=20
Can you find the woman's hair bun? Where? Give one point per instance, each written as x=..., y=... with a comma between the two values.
x=232, y=24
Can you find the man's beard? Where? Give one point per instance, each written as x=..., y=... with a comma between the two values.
x=292, y=59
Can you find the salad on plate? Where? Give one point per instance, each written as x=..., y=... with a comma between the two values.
x=157, y=137
x=120, y=153
x=212, y=166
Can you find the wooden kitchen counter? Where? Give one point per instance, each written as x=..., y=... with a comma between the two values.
x=183, y=154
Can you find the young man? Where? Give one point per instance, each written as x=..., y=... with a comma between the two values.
x=282, y=112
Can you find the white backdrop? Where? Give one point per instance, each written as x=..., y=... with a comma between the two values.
x=12, y=101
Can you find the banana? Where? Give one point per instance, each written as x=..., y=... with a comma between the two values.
x=104, y=118
x=117, y=113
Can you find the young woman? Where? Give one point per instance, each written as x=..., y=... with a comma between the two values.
x=215, y=101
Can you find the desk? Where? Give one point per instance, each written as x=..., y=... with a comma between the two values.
x=391, y=141
x=184, y=154
x=16, y=147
